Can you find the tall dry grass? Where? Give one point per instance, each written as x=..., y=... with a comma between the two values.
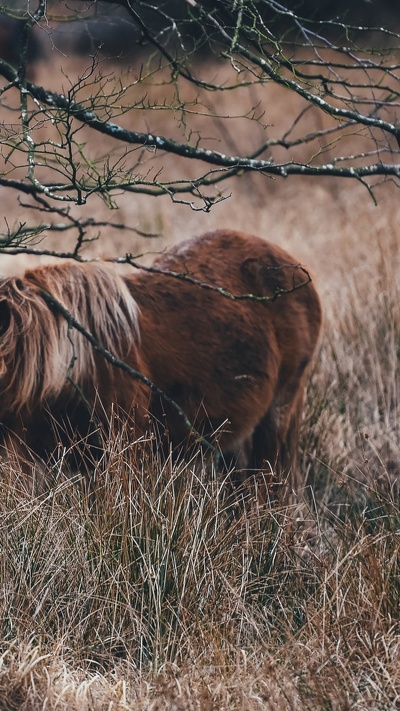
x=162, y=594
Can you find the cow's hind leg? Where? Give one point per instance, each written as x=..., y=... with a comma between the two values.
x=274, y=449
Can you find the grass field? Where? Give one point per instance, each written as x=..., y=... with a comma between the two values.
x=163, y=596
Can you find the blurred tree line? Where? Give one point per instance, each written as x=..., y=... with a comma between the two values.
x=109, y=27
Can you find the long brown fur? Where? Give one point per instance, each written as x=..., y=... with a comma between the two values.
x=235, y=367
x=49, y=374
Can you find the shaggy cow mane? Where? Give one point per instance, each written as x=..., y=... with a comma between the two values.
x=96, y=297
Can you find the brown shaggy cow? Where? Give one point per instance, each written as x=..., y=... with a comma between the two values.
x=236, y=367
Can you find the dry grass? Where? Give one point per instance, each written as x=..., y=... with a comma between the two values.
x=162, y=595
x=165, y=596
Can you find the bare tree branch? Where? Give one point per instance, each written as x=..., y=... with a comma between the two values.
x=50, y=149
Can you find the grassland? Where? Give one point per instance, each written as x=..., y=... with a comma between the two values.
x=163, y=596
